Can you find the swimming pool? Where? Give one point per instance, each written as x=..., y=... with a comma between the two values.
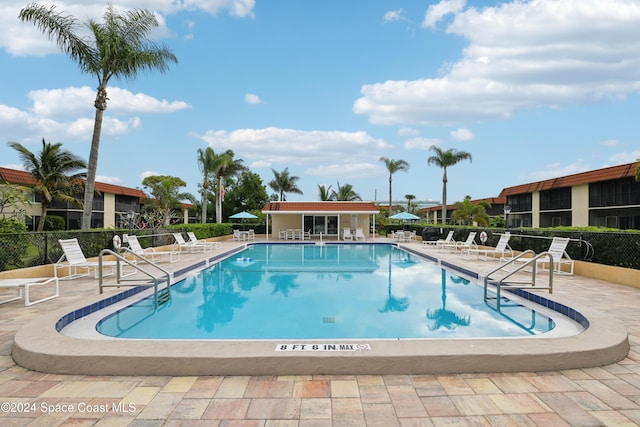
x=324, y=292
x=65, y=340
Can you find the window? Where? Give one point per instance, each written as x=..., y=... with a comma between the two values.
x=325, y=224
x=558, y=198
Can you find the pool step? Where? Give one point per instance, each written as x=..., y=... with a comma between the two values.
x=163, y=296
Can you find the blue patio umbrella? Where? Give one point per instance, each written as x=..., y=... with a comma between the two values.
x=243, y=215
x=404, y=216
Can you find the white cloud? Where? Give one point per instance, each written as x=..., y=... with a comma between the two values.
x=109, y=179
x=462, y=135
x=320, y=149
x=624, y=157
x=520, y=55
x=354, y=171
x=420, y=143
x=252, y=99
x=22, y=38
x=145, y=174
x=408, y=132
x=555, y=170
x=438, y=11
x=394, y=15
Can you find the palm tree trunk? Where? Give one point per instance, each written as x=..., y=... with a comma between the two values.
x=444, y=196
x=92, y=166
x=219, y=202
x=205, y=191
x=43, y=216
x=390, y=186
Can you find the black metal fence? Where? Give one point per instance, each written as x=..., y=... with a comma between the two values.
x=620, y=249
x=19, y=250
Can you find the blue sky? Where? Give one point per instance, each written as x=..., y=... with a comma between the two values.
x=532, y=89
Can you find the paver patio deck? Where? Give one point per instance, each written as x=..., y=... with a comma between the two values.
x=607, y=395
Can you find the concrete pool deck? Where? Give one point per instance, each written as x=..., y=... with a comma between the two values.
x=622, y=384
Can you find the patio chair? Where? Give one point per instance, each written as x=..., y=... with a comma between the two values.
x=152, y=253
x=442, y=243
x=236, y=235
x=468, y=244
x=194, y=239
x=559, y=257
x=23, y=285
x=499, y=251
x=191, y=247
x=73, y=260
x=346, y=234
x=359, y=234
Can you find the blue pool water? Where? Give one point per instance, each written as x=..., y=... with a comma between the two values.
x=277, y=291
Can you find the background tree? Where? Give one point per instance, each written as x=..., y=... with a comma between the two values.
x=56, y=172
x=118, y=47
x=345, y=193
x=409, y=198
x=393, y=166
x=324, y=193
x=225, y=167
x=165, y=195
x=444, y=159
x=283, y=183
x=467, y=212
x=638, y=171
x=246, y=193
x=13, y=197
x=206, y=163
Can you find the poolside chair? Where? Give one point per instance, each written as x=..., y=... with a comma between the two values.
x=23, y=286
x=468, y=244
x=237, y=236
x=359, y=234
x=559, y=256
x=501, y=249
x=440, y=244
x=346, y=234
x=194, y=239
x=75, y=262
x=190, y=246
x=151, y=253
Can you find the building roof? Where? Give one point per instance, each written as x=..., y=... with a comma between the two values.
x=491, y=200
x=598, y=175
x=14, y=176
x=320, y=207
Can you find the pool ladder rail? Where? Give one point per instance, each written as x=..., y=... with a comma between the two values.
x=527, y=260
x=160, y=296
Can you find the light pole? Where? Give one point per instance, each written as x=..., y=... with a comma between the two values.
x=507, y=211
x=130, y=215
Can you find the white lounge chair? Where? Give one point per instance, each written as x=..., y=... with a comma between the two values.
x=190, y=246
x=75, y=262
x=559, y=257
x=443, y=243
x=194, y=239
x=359, y=234
x=23, y=286
x=151, y=253
x=468, y=244
x=499, y=251
x=346, y=234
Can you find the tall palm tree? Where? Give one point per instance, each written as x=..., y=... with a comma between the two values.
x=467, y=212
x=283, y=183
x=119, y=48
x=345, y=193
x=55, y=170
x=324, y=192
x=443, y=159
x=224, y=166
x=206, y=163
x=409, y=198
x=393, y=166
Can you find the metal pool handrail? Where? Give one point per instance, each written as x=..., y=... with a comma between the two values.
x=531, y=284
x=119, y=258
